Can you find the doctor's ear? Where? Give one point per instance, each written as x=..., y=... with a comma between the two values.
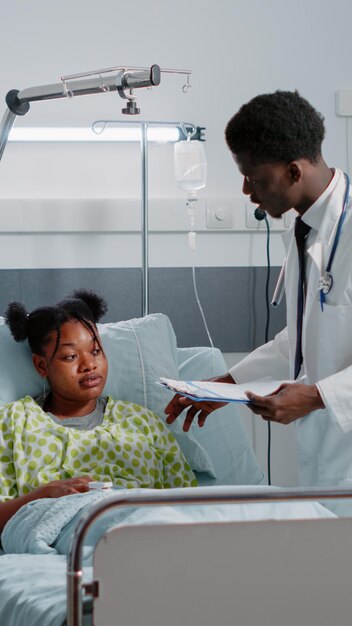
x=295, y=171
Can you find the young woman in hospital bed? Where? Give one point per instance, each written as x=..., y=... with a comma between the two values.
x=52, y=445
x=56, y=444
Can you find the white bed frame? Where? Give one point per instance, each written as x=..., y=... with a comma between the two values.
x=265, y=573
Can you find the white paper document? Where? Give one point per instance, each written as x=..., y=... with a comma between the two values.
x=222, y=392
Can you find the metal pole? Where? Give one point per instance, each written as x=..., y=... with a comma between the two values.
x=5, y=127
x=78, y=86
x=74, y=591
x=144, y=219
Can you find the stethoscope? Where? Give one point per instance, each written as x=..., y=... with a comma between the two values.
x=325, y=281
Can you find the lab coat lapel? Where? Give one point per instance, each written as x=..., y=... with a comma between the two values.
x=287, y=237
x=315, y=251
x=319, y=252
x=291, y=284
x=291, y=271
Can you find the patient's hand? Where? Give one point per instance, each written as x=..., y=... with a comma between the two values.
x=54, y=489
x=59, y=488
x=179, y=403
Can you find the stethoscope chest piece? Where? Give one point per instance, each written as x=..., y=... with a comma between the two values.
x=325, y=283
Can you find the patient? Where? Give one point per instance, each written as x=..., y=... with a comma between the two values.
x=55, y=445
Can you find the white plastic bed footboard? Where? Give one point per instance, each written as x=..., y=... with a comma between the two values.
x=265, y=573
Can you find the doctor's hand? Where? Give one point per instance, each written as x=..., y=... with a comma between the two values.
x=201, y=410
x=287, y=404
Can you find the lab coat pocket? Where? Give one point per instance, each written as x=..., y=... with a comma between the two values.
x=329, y=339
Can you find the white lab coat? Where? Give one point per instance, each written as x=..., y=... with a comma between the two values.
x=324, y=437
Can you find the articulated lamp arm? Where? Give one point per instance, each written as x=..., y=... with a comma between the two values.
x=119, y=79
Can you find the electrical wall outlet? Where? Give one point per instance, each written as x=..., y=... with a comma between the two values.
x=343, y=102
x=219, y=214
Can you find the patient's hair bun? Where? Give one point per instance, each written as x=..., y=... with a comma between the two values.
x=95, y=303
x=17, y=320
x=82, y=305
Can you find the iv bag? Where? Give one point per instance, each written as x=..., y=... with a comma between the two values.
x=190, y=165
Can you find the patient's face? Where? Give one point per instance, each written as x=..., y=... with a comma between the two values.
x=78, y=370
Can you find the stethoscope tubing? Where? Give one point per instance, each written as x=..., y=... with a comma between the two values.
x=325, y=280
x=340, y=224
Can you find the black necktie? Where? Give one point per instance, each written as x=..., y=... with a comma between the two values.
x=301, y=232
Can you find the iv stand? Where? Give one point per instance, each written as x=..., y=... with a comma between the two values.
x=186, y=129
x=144, y=219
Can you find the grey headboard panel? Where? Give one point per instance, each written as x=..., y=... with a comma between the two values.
x=233, y=299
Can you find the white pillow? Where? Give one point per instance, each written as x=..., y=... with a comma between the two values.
x=139, y=351
x=17, y=374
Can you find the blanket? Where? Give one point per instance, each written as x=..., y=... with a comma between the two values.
x=36, y=526
x=46, y=525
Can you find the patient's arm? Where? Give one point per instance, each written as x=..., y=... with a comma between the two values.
x=179, y=403
x=54, y=489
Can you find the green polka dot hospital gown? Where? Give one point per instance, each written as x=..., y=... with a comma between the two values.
x=131, y=447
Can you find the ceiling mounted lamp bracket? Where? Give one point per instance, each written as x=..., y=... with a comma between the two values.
x=125, y=80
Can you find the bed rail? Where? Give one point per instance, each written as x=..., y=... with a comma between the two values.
x=150, y=497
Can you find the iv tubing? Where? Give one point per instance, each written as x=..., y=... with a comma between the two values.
x=200, y=306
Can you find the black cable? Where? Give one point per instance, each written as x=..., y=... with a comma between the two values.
x=267, y=304
x=260, y=215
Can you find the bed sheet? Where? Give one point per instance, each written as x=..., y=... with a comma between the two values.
x=33, y=590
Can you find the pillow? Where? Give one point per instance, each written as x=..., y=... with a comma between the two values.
x=223, y=436
x=139, y=351
x=18, y=376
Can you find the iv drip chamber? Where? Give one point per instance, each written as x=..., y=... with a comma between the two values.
x=190, y=165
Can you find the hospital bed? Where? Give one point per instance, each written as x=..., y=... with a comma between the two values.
x=218, y=554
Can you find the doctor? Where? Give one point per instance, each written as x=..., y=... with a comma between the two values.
x=275, y=141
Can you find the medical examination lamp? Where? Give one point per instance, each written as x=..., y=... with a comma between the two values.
x=124, y=80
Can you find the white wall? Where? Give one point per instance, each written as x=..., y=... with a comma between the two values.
x=235, y=49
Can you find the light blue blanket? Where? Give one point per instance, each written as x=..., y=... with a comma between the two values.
x=46, y=526
x=38, y=524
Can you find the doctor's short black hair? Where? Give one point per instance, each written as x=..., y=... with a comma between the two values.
x=277, y=127
x=84, y=306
